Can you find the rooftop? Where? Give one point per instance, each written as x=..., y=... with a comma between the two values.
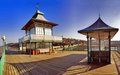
x=99, y=28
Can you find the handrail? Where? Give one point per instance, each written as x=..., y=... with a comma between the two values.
x=2, y=60
x=40, y=37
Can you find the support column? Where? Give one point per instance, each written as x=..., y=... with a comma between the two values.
x=91, y=60
x=49, y=47
x=22, y=47
x=44, y=30
x=88, y=48
x=109, y=37
x=30, y=50
x=52, y=46
x=91, y=43
x=52, y=30
x=35, y=49
x=35, y=46
x=53, y=39
x=25, y=47
x=99, y=57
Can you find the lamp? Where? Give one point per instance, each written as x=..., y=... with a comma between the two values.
x=3, y=38
x=4, y=43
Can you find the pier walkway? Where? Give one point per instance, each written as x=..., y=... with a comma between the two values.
x=61, y=63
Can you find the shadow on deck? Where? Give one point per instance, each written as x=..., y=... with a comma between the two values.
x=13, y=52
x=64, y=65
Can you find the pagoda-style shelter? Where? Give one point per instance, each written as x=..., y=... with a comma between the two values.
x=38, y=35
x=100, y=32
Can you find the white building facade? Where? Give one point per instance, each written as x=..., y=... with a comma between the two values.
x=38, y=35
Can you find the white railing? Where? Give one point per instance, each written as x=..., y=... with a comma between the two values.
x=36, y=37
x=48, y=37
x=40, y=37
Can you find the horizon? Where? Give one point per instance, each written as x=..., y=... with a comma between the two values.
x=70, y=15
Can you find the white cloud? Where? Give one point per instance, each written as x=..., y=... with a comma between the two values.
x=116, y=24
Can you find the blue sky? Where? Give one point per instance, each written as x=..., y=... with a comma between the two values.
x=71, y=15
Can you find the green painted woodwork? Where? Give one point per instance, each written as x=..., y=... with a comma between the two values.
x=2, y=60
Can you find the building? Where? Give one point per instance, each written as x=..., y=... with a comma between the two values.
x=102, y=34
x=38, y=35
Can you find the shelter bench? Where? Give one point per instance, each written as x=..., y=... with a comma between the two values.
x=102, y=55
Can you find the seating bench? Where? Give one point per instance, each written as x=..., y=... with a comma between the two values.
x=103, y=55
x=44, y=50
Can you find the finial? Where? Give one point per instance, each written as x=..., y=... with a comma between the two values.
x=37, y=6
x=37, y=9
x=99, y=14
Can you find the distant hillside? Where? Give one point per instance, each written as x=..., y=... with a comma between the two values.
x=13, y=46
x=71, y=41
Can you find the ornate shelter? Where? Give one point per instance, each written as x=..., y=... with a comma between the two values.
x=100, y=32
x=38, y=35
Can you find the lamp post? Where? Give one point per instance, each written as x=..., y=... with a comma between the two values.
x=3, y=56
x=4, y=43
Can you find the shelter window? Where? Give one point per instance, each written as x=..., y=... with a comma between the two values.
x=48, y=31
x=32, y=31
x=39, y=31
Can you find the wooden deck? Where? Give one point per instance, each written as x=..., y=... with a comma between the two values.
x=116, y=57
x=66, y=63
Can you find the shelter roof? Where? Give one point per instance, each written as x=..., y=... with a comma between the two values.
x=99, y=28
x=38, y=17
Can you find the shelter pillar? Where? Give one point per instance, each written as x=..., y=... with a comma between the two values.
x=35, y=46
x=109, y=37
x=22, y=47
x=91, y=43
x=30, y=49
x=25, y=47
x=36, y=52
x=49, y=47
x=88, y=48
x=52, y=47
x=99, y=55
